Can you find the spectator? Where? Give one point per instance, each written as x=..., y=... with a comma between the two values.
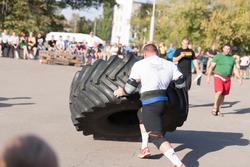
x=31, y=45
x=114, y=49
x=13, y=46
x=199, y=55
x=1, y=45
x=244, y=63
x=23, y=50
x=107, y=52
x=60, y=44
x=184, y=57
x=120, y=50
x=52, y=43
x=127, y=50
x=170, y=52
x=39, y=43
x=162, y=50
x=72, y=46
x=67, y=42
x=5, y=45
x=28, y=151
x=99, y=52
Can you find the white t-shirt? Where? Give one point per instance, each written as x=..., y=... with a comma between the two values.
x=5, y=38
x=154, y=73
x=91, y=42
x=60, y=44
x=13, y=39
x=244, y=61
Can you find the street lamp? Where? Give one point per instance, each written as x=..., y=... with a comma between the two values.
x=152, y=24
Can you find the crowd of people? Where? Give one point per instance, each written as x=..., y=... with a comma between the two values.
x=204, y=57
x=28, y=46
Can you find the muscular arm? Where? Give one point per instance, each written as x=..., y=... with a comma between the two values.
x=129, y=88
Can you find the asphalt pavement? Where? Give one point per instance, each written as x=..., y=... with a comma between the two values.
x=34, y=100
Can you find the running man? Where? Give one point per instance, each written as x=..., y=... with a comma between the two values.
x=222, y=65
x=154, y=79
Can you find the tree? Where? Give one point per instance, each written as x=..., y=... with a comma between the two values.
x=33, y=15
x=104, y=23
x=77, y=4
x=204, y=22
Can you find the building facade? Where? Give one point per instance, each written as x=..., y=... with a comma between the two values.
x=121, y=28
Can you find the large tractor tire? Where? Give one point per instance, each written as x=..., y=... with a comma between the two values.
x=96, y=111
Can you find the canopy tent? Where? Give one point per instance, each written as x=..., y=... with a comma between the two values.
x=79, y=37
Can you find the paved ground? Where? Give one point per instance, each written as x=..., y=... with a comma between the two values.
x=34, y=99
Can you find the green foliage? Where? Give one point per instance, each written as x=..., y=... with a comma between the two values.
x=33, y=15
x=204, y=22
x=104, y=24
x=77, y=4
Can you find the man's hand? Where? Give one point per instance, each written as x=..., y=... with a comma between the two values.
x=119, y=92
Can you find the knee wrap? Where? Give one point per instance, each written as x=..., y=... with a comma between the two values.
x=157, y=139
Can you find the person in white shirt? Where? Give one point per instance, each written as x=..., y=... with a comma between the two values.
x=244, y=63
x=154, y=75
x=60, y=44
x=13, y=45
x=5, y=45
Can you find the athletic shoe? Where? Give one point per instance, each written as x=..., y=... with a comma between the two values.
x=182, y=165
x=144, y=153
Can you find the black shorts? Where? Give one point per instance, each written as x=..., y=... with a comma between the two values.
x=243, y=67
x=151, y=116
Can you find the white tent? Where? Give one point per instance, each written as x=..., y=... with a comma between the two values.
x=79, y=37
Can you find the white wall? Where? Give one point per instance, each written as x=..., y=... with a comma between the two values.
x=121, y=22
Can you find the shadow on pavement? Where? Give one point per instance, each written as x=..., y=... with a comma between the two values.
x=14, y=104
x=240, y=111
x=225, y=104
x=203, y=142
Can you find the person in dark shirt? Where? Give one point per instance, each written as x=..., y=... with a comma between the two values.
x=184, y=56
x=52, y=43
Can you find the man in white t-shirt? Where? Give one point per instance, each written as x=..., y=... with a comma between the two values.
x=60, y=44
x=13, y=45
x=244, y=63
x=154, y=74
x=5, y=45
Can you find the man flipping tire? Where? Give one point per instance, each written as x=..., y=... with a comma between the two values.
x=154, y=74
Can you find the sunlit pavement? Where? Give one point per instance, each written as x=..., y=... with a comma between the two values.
x=34, y=99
